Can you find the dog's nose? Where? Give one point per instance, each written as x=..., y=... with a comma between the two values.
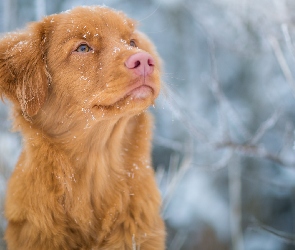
x=141, y=63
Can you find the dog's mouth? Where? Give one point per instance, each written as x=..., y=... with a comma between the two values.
x=135, y=93
x=140, y=92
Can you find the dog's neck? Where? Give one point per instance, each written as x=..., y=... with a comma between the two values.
x=95, y=155
x=102, y=146
x=82, y=144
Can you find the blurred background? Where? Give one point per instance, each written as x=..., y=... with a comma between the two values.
x=224, y=149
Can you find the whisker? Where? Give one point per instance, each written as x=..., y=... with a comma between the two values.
x=150, y=14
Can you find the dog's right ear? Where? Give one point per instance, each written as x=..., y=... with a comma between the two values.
x=23, y=75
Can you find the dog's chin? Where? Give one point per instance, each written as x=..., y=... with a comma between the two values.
x=140, y=93
x=136, y=100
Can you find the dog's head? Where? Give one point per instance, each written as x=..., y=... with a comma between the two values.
x=90, y=60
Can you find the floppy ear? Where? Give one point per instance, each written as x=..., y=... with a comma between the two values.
x=23, y=75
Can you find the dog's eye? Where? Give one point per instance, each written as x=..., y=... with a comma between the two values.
x=83, y=48
x=132, y=43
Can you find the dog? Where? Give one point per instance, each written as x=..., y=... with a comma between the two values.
x=80, y=83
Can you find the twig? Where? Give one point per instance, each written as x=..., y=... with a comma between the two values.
x=179, y=112
x=178, y=240
x=169, y=143
x=265, y=126
x=282, y=62
x=216, y=90
x=221, y=163
x=288, y=40
x=235, y=194
x=40, y=9
x=177, y=177
x=254, y=150
x=290, y=238
x=225, y=108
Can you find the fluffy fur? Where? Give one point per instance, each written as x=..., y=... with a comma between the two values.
x=84, y=178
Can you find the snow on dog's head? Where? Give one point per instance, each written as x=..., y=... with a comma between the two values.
x=87, y=64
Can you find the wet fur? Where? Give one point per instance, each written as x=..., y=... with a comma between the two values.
x=84, y=178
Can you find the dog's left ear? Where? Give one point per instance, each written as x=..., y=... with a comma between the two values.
x=23, y=75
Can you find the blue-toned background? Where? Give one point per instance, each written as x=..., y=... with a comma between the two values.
x=224, y=149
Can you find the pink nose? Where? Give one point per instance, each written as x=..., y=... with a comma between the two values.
x=141, y=63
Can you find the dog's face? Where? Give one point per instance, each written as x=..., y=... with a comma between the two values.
x=88, y=62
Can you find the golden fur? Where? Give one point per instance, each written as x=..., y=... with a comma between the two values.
x=84, y=178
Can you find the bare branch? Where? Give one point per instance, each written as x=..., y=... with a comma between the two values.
x=235, y=191
x=175, y=179
x=288, y=40
x=181, y=114
x=219, y=164
x=40, y=9
x=256, y=151
x=168, y=143
x=178, y=240
x=265, y=126
x=225, y=107
x=290, y=238
x=282, y=62
x=217, y=92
